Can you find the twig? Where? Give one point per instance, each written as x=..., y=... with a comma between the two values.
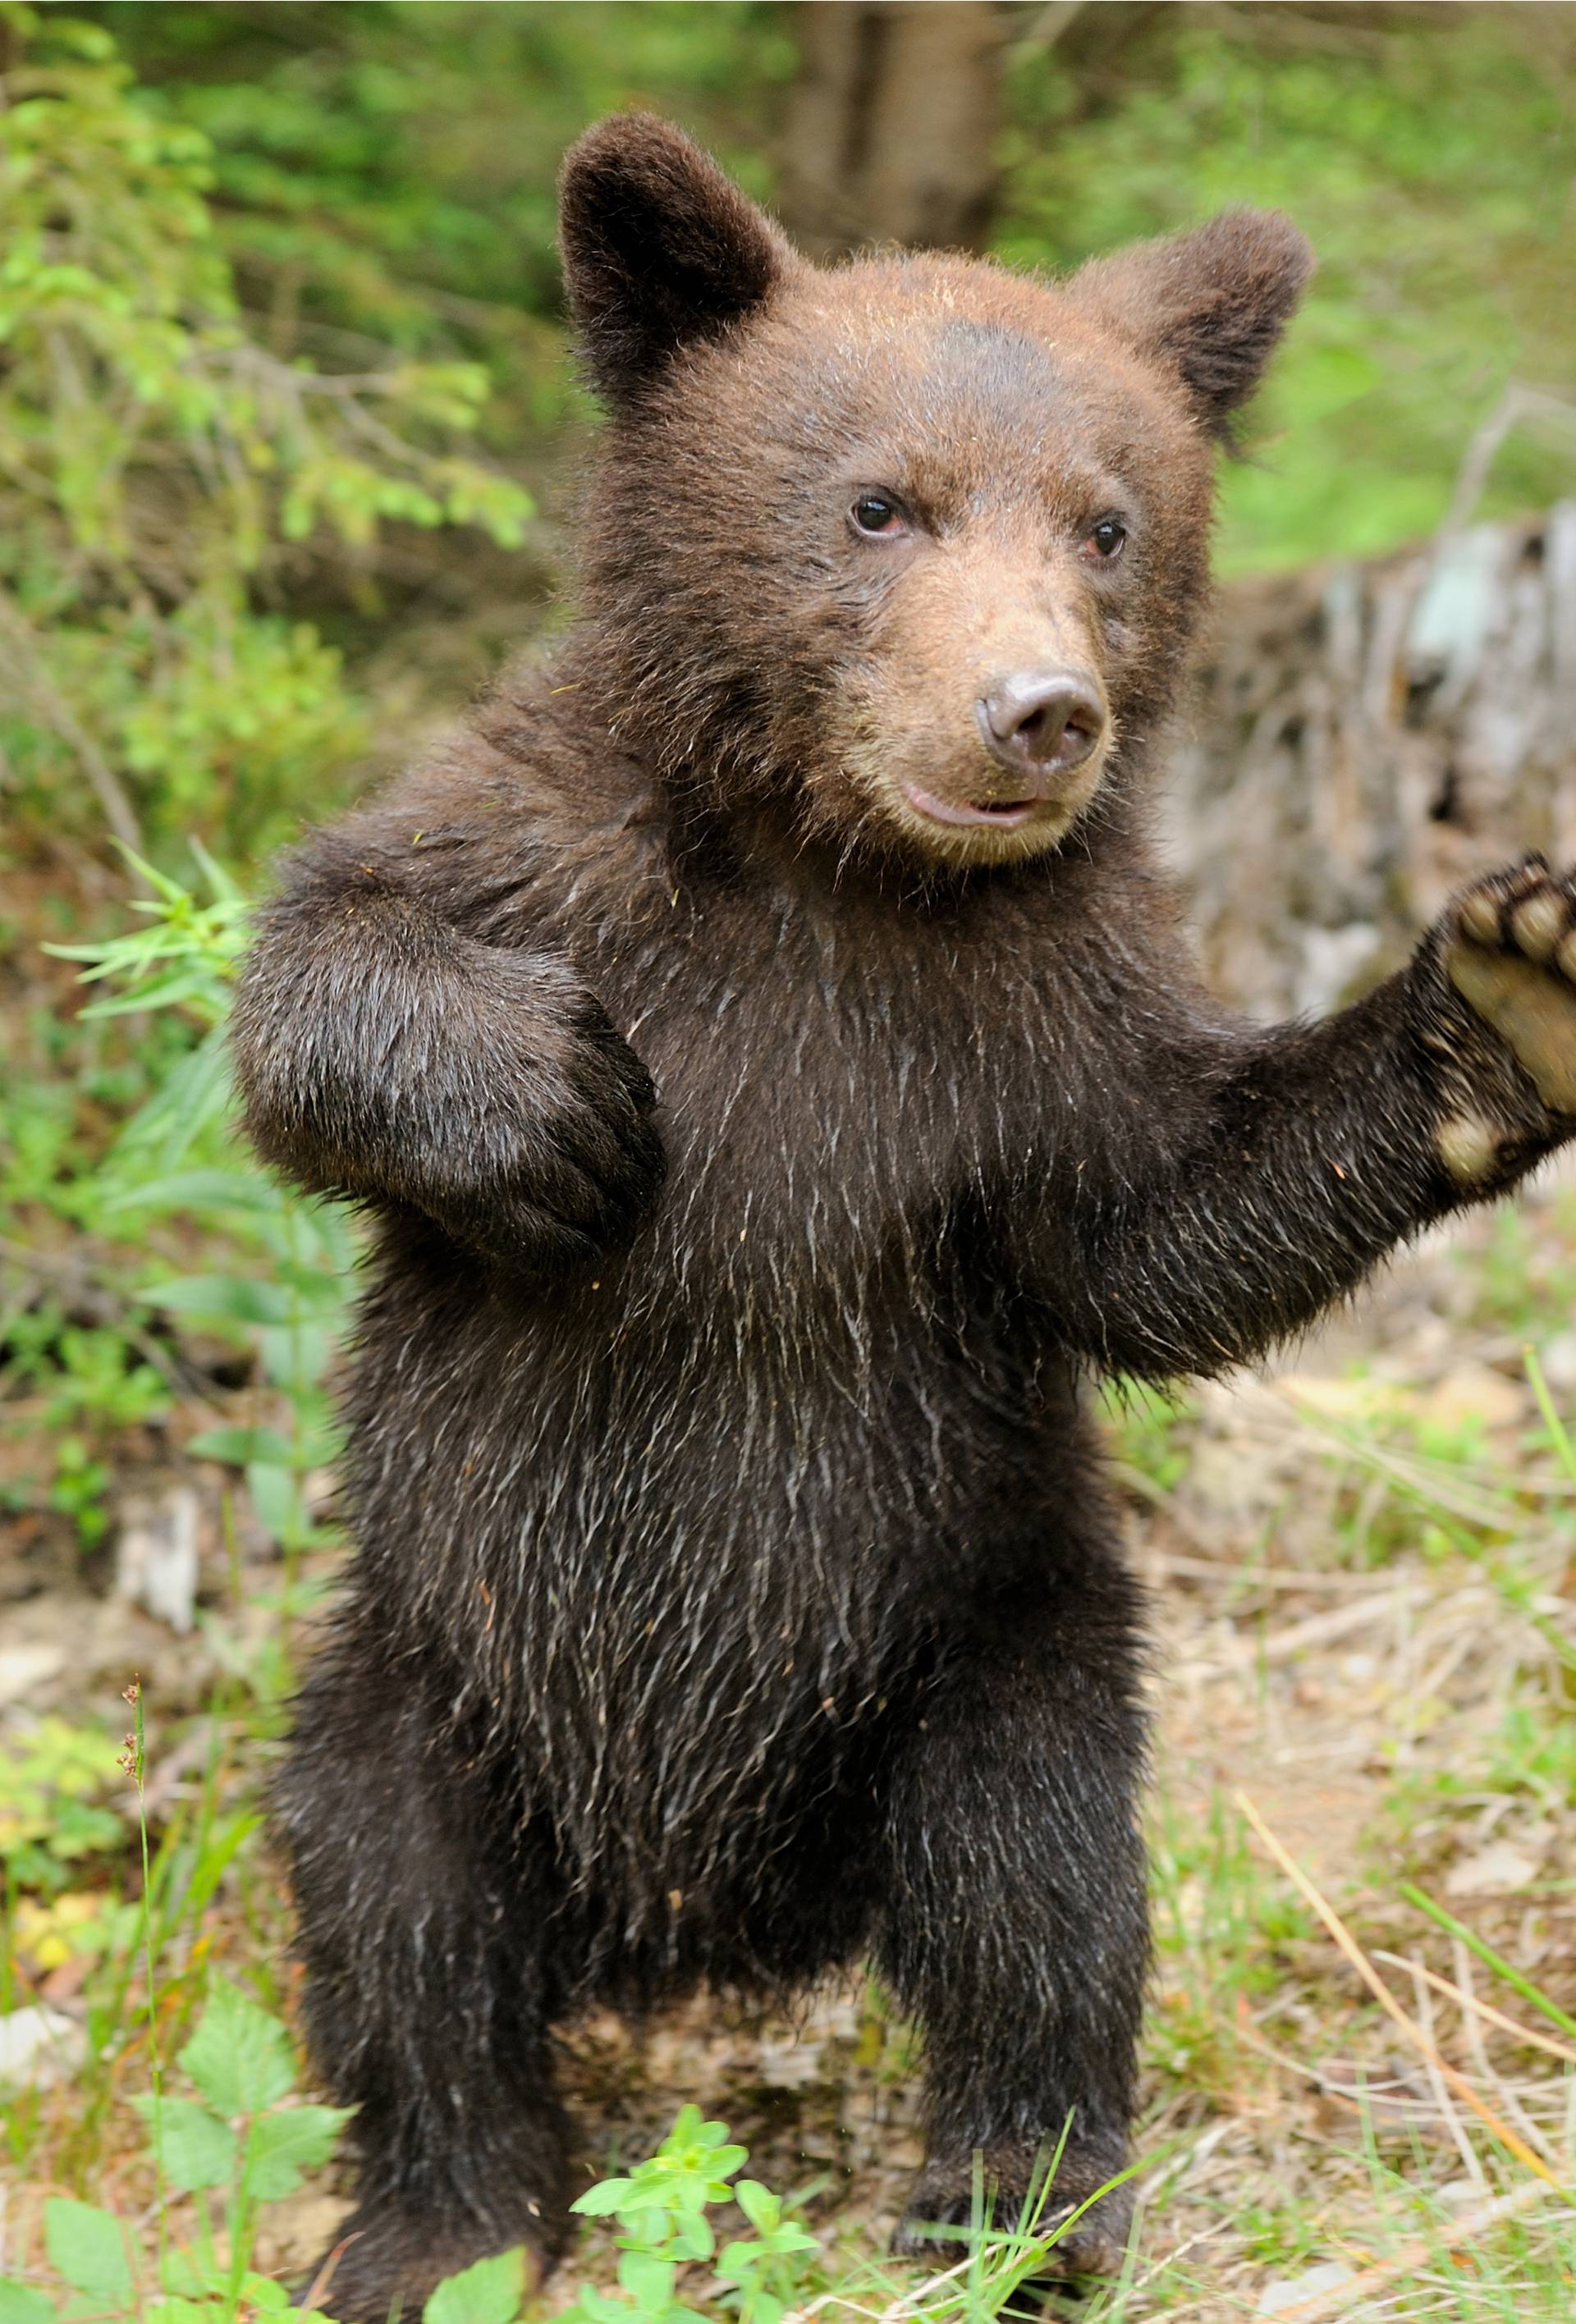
x=57, y=711
x=1442, y=2097
x=1519, y=403
x=1511, y=2140
x=1484, y=2009
x=324, y=2276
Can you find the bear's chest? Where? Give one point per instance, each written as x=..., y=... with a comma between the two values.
x=828, y=1094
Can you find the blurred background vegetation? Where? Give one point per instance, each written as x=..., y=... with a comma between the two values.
x=287, y=435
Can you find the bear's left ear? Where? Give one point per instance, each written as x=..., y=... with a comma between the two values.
x=1209, y=306
x=659, y=249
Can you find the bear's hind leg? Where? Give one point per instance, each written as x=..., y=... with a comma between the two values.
x=1016, y=1918
x=425, y=1930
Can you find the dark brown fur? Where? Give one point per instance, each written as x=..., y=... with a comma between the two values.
x=758, y=1170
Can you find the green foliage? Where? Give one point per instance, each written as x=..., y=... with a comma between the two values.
x=490, y=2293
x=660, y=2209
x=391, y=172
x=275, y=1269
x=157, y=460
x=176, y=1158
x=236, y=2138
x=1428, y=164
x=1150, y=1432
x=52, y=1780
x=669, y=2254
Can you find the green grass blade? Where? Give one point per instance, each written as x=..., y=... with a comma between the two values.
x=1486, y=1953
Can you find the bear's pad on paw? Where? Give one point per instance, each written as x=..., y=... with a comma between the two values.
x=940, y=2210
x=1513, y=961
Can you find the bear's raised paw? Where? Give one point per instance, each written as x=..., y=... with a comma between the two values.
x=1511, y=956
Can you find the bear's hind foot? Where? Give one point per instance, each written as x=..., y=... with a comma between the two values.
x=941, y=2208
x=386, y=2260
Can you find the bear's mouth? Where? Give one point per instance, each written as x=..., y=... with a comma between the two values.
x=1004, y=814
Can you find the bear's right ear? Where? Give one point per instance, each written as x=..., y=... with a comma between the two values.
x=1209, y=306
x=659, y=249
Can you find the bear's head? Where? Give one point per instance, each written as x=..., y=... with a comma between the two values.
x=905, y=553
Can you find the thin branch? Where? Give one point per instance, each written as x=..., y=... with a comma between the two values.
x=57, y=713
x=1518, y=404
x=1511, y=2140
x=1484, y=2009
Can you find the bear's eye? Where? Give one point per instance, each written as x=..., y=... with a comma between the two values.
x=1105, y=538
x=876, y=514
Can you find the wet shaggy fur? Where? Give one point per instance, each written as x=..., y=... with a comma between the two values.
x=758, y=1176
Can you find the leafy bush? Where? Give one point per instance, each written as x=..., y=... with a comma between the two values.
x=158, y=462
x=236, y=2139
x=176, y=1156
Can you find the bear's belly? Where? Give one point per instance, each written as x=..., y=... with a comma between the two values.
x=688, y=1581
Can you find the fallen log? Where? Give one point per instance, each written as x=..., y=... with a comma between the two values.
x=1364, y=738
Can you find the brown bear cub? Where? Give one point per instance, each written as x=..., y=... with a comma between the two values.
x=766, y=1050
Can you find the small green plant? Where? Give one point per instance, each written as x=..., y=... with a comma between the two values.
x=80, y=1384
x=53, y=1781
x=669, y=2253
x=660, y=2209
x=234, y=2145
x=176, y=1156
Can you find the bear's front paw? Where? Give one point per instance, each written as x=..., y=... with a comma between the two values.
x=941, y=2208
x=1510, y=951
x=582, y=1163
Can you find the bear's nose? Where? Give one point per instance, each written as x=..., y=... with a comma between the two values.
x=1041, y=722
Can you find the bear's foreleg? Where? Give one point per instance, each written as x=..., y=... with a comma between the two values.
x=1016, y=1928
x=382, y=1052
x=424, y=1930
x=1265, y=1172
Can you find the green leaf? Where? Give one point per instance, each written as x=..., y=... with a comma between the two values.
x=600, y=2201
x=239, y=1446
x=195, y=2149
x=281, y=2146
x=234, y=1299
x=648, y=2279
x=240, y=2057
x=760, y=2207
x=201, y=1190
x=87, y=2248
x=490, y=2293
x=22, y=2303
x=602, y=2308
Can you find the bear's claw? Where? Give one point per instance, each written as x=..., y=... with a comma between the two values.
x=1512, y=957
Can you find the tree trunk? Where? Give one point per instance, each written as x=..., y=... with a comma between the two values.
x=891, y=121
x=1366, y=738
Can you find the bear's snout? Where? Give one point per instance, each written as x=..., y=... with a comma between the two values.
x=1039, y=724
